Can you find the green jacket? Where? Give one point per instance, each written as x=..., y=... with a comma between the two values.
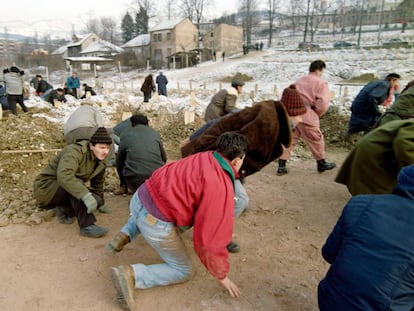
x=373, y=165
x=402, y=109
x=70, y=169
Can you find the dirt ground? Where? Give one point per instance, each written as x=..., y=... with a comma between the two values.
x=46, y=265
x=51, y=267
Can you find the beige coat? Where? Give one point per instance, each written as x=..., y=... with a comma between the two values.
x=221, y=104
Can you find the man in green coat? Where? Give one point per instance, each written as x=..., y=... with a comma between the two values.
x=403, y=107
x=374, y=163
x=61, y=184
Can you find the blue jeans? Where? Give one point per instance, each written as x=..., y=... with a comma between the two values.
x=165, y=239
x=241, y=199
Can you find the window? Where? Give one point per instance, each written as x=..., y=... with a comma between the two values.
x=168, y=35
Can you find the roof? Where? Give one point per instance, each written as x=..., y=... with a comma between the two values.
x=167, y=24
x=86, y=36
x=102, y=46
x=139, y=40
x=60, y=50
x=87, y=59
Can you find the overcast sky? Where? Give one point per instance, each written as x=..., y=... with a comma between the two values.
x=78, y=10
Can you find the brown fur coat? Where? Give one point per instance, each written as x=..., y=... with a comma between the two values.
x=266, y=126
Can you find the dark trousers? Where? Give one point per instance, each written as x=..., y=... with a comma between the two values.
x=147, y=97
x=74, y=207
x=134, y=182
x=13, y=100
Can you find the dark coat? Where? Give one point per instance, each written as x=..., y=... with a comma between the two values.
x=365, y=112
x=266, y=126
x=373, y=164
x=162, y=82
x=86, y=90
x=140, y=153
x=54, y=95
x=371, y=251
x=148, y=87
x=43, y=86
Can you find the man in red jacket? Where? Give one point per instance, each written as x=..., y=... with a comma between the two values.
x=198, y=192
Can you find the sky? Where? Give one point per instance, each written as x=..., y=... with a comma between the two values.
x=59, y=19
x=78, y=10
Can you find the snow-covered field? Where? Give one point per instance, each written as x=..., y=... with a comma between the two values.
x=271, y=70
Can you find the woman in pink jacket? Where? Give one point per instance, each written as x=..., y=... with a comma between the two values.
x=315, y=93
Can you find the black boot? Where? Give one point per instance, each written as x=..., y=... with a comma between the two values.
x=62, y=216
x=282, y=169
x=325, y=166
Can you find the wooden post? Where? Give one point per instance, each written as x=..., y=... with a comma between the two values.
x=178, y=86
x=256, y=88
x=275, y=91
x=191, y=85
x=192, y=99
x=31, y=151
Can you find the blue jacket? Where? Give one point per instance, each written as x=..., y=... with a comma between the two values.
x=365, y=112
x=73, y=83
x=162, y=82
x=371, y=252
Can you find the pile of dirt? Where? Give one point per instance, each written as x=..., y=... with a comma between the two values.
x=29, y=142
x=25, y=136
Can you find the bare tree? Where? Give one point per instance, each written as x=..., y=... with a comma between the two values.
x=93, y=25
x=272, y=13
x=296, y=12
x=248, y=8
x=108, y=25
x=170, y=8
x=195, y=9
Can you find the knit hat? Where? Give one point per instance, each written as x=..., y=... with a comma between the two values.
x=406, y=175
x=101, y=136
x=236, y=83
x=138, y=118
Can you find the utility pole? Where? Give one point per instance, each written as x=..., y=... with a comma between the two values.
x=306, y=23
x=360, y=22
x=380, y=22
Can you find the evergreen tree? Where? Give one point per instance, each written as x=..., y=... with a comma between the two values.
x=141, y=21
x=127, y=28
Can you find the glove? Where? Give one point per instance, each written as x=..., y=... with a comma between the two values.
x=90, y=202
x=104, y=209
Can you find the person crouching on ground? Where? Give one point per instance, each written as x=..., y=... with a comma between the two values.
x=61, y=185
x=196, y=191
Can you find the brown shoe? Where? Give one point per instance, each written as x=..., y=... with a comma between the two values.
x=118, y=242
x=124, y=281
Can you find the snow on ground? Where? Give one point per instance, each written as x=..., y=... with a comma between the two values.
x=271, y=70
